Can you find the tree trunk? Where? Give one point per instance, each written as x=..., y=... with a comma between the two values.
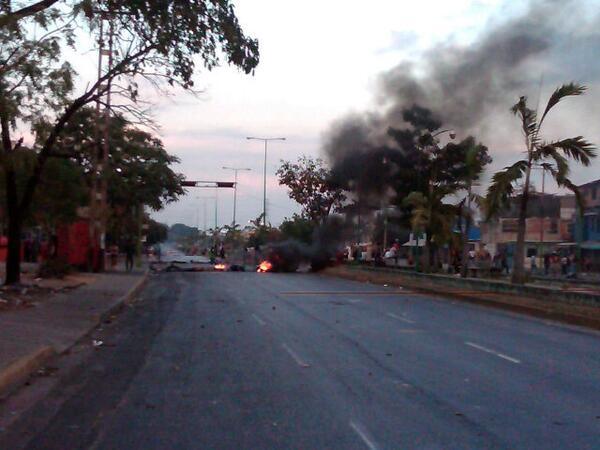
x=427, y=255
x=13, y=259
x=518, y=275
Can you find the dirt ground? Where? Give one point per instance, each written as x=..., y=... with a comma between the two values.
x=32, y=290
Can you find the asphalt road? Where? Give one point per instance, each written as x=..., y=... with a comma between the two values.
x=280, y=361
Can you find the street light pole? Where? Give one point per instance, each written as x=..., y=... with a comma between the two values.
x=265, y=140
x=235, y=171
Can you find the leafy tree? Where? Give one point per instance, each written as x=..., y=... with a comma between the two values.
x=233, y=236
x=430, y=215
x=157, y=232
x=552, y=156
x=298, y=228
x=413, y=173
x=178, y=230
x=138, y=172
x=261, y=234
x=432, y=173
x=155, y=40
x=62, y=189
x=309, y=184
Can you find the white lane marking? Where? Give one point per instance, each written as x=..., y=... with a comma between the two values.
x=394, y=316
x=259, y=320
x=354, y=300
x=493, y=352
x=293, y=354
x=362, y=433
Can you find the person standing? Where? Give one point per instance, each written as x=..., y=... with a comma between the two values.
x=504, y=263
x=533, y=264
x=129, y=253
x=396, y=249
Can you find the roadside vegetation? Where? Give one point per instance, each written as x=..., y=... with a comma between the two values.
x=156, y=45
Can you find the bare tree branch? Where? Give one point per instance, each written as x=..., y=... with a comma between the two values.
x=27, y=11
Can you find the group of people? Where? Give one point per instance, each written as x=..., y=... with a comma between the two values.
x=481, y=261
x=555, y=264
x=128, y=248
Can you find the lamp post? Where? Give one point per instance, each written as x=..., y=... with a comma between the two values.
x=266, y=141
x=235, y=171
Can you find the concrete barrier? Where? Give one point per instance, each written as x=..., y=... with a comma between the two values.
x=549, y=294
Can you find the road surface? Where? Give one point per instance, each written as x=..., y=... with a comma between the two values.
x=280, y=361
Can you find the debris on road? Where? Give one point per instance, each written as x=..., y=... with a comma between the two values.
x=97, y=343
x=46, y=371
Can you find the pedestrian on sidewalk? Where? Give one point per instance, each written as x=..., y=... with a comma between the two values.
x=129, y=253
x=114, y=256
x=504, y=263
x=533, y=264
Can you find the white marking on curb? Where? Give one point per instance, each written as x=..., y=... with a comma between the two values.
x=362, y=433
x=259, y=320
x=394, y=316
x=493, y=352
x=295, y=356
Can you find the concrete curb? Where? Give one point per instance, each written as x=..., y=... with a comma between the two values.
x=19, y=370
x=547, y=294
x=122, y=301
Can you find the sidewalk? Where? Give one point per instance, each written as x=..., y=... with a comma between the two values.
x=28, y=337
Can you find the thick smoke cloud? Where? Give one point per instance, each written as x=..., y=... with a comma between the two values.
x=471, y=88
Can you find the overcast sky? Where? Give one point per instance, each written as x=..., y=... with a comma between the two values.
x=319, y=61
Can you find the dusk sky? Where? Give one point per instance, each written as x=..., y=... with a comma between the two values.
x=320, y=60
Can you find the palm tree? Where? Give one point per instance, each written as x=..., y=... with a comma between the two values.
x=431, y=215
x=550, y=156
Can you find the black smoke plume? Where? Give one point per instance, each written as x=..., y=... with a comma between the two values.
x=471, y=87
x=326, y=242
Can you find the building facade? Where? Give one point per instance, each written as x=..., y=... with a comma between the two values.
x=549, y=226
x=587, y=228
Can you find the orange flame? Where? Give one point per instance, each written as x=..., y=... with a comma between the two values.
x=264, y=266
x=219, y=266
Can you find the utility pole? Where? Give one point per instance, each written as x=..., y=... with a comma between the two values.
x=99, y=203
x=216, y=208
x=265, y=140
x=235, y=171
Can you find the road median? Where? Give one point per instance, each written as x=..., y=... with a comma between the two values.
x=579, y=308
